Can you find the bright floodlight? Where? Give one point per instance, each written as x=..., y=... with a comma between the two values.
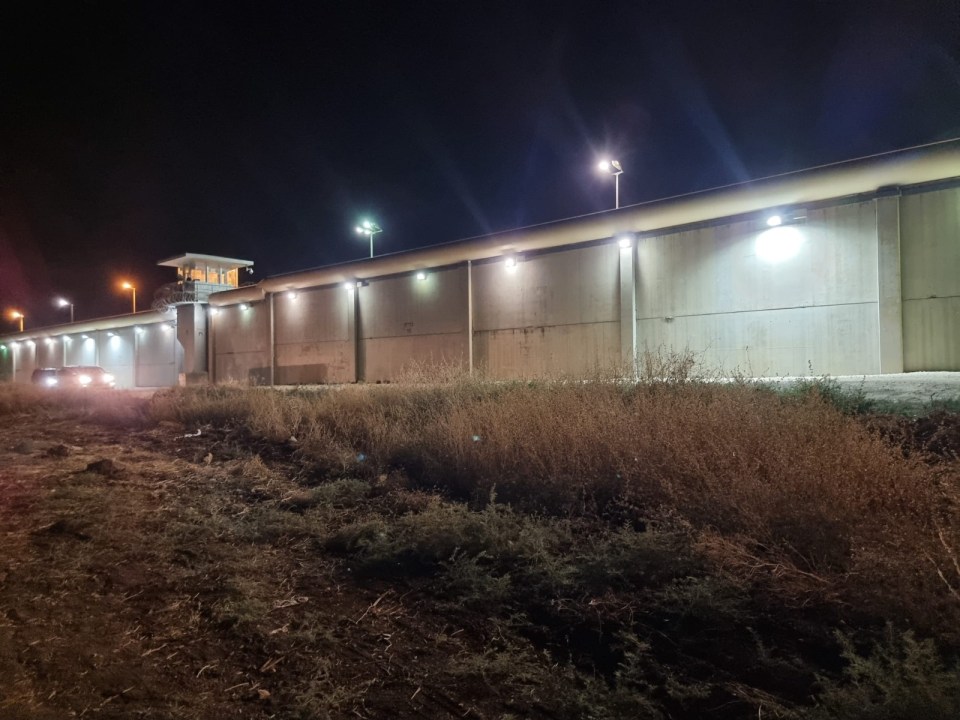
x=369, y=229
x=625, y=241
x=774, y=220
x=613, y=167
x=421, y=275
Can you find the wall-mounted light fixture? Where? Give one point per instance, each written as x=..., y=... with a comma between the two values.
x=244, y=306
x=510, y=263
x=625, y=241
x=786, y=217
x=421, y=275
x=292, y=294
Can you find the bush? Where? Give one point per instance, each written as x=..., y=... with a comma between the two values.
x=901, y=679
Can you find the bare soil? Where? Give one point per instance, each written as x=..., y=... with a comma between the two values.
x=151, y=570
x=126, y=593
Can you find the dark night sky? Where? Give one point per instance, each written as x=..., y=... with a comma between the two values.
x=130, y=132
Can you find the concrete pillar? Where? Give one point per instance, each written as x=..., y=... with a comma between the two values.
x=628, y=306
x=470, y=317
x=273, y=342
x=889, y=293
x=353, y=328
x=192, y=336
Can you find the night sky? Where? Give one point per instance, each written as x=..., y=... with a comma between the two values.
x=130, y=132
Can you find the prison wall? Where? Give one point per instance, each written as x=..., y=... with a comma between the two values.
x=795, y=299
x=930, y=261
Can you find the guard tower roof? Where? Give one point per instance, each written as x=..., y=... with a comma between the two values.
x=188, y=260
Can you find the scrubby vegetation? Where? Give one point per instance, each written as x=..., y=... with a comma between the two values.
x=672, y=547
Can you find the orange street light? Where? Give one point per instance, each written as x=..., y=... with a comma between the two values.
x=129, y=286
x=17, y=315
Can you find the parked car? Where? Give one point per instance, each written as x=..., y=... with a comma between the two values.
x=45, y=376
x=73, y=376
x=84, y=376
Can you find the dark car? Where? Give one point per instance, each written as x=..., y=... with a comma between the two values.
x=77, y=376
x=84, y=376
x=45, y=376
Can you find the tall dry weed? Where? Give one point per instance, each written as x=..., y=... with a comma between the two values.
x=786, y=492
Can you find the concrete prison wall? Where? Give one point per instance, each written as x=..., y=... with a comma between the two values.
x=862, y=284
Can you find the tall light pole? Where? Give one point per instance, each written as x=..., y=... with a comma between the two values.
x=63, y=302
x=129, y=286
x=613, y=167
x=370, y=229
x=17, y=315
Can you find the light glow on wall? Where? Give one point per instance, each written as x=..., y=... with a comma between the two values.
x=510, y=264
x=625, y=242
x=421, y=275
x=774, y=220
x=244, y=306
x=292, y=294
x=779, y=244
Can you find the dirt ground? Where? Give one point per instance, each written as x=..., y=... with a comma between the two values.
x=154, y=572
x=127, y=590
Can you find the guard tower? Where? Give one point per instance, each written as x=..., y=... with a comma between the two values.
x=198, y=276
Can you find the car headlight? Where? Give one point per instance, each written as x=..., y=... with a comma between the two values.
x=108, y=379
x=51, y=382
x=84, y=379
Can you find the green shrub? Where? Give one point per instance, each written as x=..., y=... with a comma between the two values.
x=902, y=678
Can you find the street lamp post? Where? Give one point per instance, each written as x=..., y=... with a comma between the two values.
x=613, y=167
x=370, y=229
x=63, y=302
x=130, y=287
x=17, y=315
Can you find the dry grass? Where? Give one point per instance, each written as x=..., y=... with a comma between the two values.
x=551, y=548
x=788, y=493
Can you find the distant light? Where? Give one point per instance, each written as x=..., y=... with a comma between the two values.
x=292, y=294
x=625, y=242
x=360, y=283
x=111, y=334
x=510, y=263
x=774, y=220
x=31, y=343
x=62, y=302
x=604, y=165
x=84, y=380
x=14, y=344
x=50, y=341
x=85, y=337
x=359, y=230
x=214, y=311
x=138, y=330
x=126, y=286
x=244, y=306
x=421, y=275
x=366, y=225
x=349, y=286
x=67, y=339
x=50, y=381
